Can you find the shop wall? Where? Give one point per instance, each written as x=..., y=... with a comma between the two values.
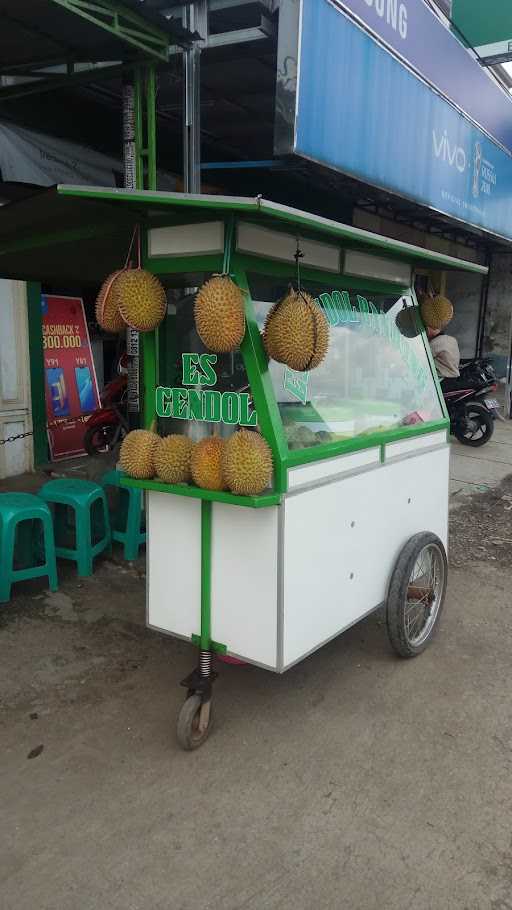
x=15, y=416
x=496, y=341
x=464, y=290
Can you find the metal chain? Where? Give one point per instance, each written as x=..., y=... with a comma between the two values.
x=13, y=438
x=49, y=426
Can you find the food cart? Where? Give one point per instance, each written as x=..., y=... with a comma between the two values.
x=355, y=515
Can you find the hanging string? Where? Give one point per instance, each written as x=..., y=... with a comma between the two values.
x=298, y=256
x=135, y=234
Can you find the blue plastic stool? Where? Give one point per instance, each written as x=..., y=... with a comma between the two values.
x=14, y=509
x=128, y=519
x=88, y=533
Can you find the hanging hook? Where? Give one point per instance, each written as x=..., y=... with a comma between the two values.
x=298, y=256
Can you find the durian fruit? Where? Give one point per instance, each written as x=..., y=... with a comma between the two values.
x=137, y=453
x=172, y=458
x=107, y=310
x=296, y=332
x=301, y=437
x=436, y=312
x=219, y=314
x=246, y=463
x=206, y=463
x=322, y=437
x=140, y=299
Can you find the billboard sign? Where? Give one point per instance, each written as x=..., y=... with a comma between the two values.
x=418, y=36
x=358, y=110
x=70, y=378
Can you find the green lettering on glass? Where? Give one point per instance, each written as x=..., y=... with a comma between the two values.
x=208, y=405
x=189, y=369
x=195, y=405
x=364, y=309
x=330, y=309
x=180, y=404
x=296, y=384
x=163, y=401
x=212, y=406
x=209, y=376
x=247, y=419
x=347, y=312
x=230, y=408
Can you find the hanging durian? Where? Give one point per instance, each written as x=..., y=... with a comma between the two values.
x=172, y=458
x=246, y=463
x=107, y=309
x=206, y=464
x=296, y=332
x=219, y=314
x=137, y=454
x=140, y=298
x=436, y=312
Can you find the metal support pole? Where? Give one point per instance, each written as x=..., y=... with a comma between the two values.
x=149, y=339
x=195, y=19
x=130, y=154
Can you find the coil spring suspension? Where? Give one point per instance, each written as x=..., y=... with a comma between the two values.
x=205, y=664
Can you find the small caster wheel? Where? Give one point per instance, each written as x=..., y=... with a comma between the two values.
x=194, y=722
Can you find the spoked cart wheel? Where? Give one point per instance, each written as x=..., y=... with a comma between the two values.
x=416, y=594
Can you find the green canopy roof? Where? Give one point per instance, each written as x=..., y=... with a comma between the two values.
x=80, y=234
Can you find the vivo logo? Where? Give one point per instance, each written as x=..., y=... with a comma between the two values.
x=454, y=155
x=394, y=13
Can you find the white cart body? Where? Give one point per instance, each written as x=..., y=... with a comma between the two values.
x=288, y=578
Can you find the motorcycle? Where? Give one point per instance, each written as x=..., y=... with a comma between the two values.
x=107, y=426
x=471, y=411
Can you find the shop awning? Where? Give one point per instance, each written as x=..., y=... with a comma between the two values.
x=77, y=234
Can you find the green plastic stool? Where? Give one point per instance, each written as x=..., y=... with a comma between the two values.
x=81, y=520
x=14, y=509
x=128, y=520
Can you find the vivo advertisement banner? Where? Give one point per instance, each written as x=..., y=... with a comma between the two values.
x=416, y=34
x=360, y=111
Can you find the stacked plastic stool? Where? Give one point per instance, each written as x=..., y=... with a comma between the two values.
x=25, y=525
x=81, y=520
x=127, y=517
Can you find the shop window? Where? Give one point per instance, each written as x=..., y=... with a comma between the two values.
x=178, y=337
x=376, y=376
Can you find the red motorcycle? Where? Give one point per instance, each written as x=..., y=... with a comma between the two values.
x=107, y=426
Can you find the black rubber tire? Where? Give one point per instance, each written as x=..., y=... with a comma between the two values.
x=188, y=736
x=397, y=594
x=485, y=418
x=90, y=440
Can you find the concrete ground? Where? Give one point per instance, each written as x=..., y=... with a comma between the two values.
x=355, y=781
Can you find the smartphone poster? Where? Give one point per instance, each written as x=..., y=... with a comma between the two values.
x=70, y=378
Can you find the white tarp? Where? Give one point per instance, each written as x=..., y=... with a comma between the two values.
x=27, y=156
